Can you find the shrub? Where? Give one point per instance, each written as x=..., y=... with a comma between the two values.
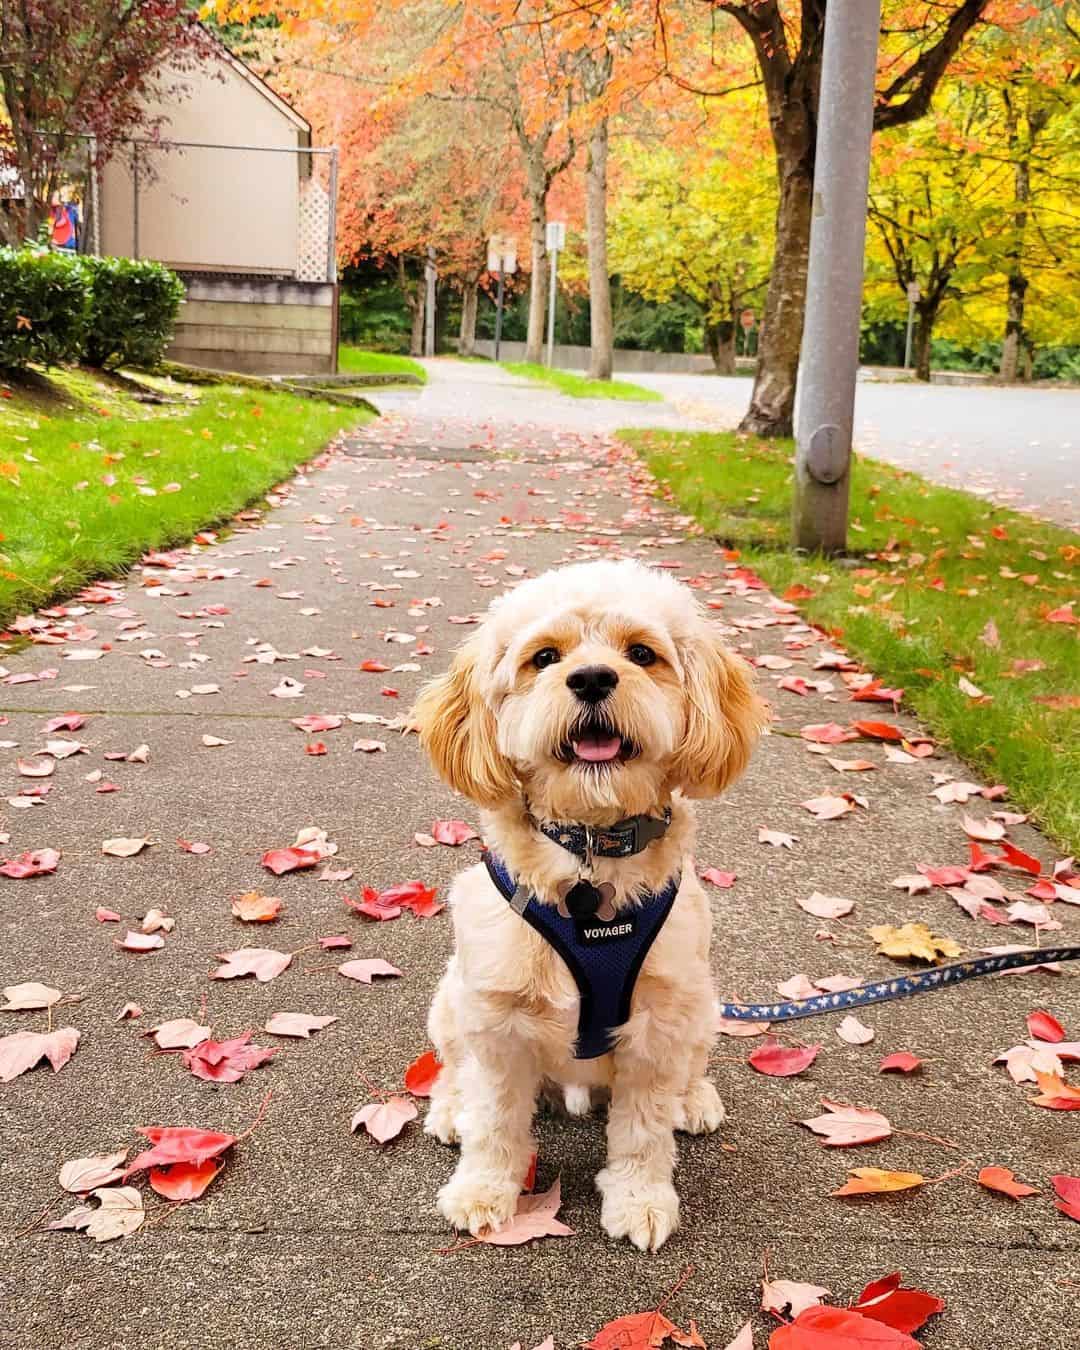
x=134, y=304
x=44, y=307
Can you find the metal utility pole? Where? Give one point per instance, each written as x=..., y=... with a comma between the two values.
x=431, y=274
x=912, y=296
x=830, y=345
x=556, y=240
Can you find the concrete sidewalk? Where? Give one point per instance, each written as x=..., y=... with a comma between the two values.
x=315, y=1237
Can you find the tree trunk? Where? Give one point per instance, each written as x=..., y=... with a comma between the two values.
x=720, y=342
x=416, y=337
x=1015, y=350
x=773, y=400
x=467, y=335
x=925, y=317
x=538, y=279
x=1015, y=344
x=601, y=331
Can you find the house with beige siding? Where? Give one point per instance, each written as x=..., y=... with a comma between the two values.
x=231, y=194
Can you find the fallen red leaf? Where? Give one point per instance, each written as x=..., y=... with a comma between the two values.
x=185, y=1181
x=902, y=1309
x=1020, y=859
x=420, y=1078
x=533, y=1218
x=902, y=1062
x=639, y=1331
x=1002, y=1179
x=778, y=1061
x=280, y=860
x=838, y=1329
x=385, y=1120
x=1068, y=1189
x=226, y=1061
x=32, y=864
x=452, y=832
x=827, y=733
x=875, y=692
x=1045, y=1027
x=178, y=1144
x=878, y=731
x=724, y=880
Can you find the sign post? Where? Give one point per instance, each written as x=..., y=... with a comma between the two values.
x=556, y=241
x=502, y=258
x=913, y=294
x=431, y=274
x=747, y=320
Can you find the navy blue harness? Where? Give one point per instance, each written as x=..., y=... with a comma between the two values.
x=604, y=958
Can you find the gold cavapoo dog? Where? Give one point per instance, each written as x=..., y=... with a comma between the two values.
x=590, y=705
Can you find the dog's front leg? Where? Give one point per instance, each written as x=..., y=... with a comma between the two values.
x=497, y=1098
x=639, y=1201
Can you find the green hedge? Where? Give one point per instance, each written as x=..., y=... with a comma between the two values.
x=133, y=309
x=57, y=307
x=44, y=308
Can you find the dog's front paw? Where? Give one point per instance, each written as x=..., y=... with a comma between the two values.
x=474, y=1203
x=646, y=1213
x=578, y=1100
x=702, y=1111
x=441, y=1122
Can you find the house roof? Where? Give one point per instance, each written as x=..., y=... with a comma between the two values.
x=259, y=84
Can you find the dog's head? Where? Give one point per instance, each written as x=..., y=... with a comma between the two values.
x=595, y=690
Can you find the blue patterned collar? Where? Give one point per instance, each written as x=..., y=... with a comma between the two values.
x=621, y=840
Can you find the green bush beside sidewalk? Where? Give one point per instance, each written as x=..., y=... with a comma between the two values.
x=59, y=307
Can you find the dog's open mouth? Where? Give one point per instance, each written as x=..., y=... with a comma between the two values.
x=596, y=741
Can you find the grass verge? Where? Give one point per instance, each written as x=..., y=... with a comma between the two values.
x=579, y=386
x=90, y=477
x=356, y=361
x=944, y=585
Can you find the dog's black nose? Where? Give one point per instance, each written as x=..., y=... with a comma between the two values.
x=592, y=684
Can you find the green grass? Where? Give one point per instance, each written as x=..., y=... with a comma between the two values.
x=937, y=567
x=76, y=449
x=356, y=361
x=579, y=386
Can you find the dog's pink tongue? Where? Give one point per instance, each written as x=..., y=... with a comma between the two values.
x=597, y=749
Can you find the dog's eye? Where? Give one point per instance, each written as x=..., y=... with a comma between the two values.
x=640, y=654
x=546, y=656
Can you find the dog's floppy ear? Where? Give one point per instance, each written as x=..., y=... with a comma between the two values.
x=724, y=719
x=457, y=729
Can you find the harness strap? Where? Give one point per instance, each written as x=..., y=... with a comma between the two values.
x=604, y=959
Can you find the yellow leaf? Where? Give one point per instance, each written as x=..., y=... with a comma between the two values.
x=873, y=1181
x=912, y=941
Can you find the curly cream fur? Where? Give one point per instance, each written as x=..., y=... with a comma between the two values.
x=504, y=1016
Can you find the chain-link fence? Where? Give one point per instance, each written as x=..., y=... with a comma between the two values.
x=242, y=210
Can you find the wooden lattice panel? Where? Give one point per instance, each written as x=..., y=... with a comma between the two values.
x=314, y=231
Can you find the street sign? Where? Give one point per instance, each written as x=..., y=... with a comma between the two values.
x=502, y=253
x=747, y=318
x=555, y=235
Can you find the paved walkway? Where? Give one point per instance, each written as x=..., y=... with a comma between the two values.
x=316, y=1237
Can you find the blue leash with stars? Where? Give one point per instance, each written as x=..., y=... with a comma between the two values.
x=901, y=987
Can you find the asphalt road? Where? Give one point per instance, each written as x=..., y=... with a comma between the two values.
x=1019, y=446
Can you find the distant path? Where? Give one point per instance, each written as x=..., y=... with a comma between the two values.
x=1019, y=446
